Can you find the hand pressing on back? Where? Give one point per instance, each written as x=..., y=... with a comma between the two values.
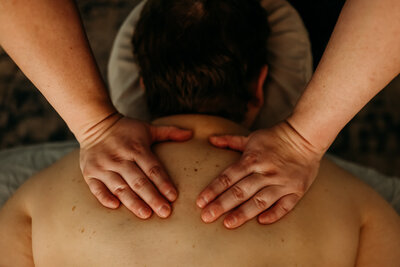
x=118, y=165
x=276, y=169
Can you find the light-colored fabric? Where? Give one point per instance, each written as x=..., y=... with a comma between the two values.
x=289, y=57
x=18, y=164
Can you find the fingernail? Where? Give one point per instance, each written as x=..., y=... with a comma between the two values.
x=171, y=195
x=164, y=211
x=202, y=202
x=230, y=221
x=207, y=216
x=144, y=212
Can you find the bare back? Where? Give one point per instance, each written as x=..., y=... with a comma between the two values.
x=70, y=228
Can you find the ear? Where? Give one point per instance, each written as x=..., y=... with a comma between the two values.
x=141, y=83
x=257, y=100
x=258, y=88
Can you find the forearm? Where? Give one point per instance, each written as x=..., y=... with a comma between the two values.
x=362, y=57
x=47, y=41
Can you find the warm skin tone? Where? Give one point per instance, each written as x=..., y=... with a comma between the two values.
x=362, y=56
x=46, y=39
x=263, y=184
x=340, y=222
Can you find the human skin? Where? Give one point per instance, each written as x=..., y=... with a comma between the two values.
x=362, y=56
x=47, y=41
x=341, y=222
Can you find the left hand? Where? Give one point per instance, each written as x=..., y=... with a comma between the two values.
x=276, y=169
x=119, y=166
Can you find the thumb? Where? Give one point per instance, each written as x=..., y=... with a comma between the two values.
x=234, y=142
x=169, y=133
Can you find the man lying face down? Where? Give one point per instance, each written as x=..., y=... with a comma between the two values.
x=203, y=67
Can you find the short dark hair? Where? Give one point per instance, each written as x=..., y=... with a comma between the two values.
x=199, y=56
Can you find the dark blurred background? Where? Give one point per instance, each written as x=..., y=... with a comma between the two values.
x=372, y=138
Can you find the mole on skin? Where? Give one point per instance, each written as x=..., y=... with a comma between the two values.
x=73, y=208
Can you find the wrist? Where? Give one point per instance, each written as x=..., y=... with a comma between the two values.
x=308, y=130
x=92, y=120
x=98, y=130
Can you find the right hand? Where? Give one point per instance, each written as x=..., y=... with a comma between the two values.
x=276, y=169
x=118, y=165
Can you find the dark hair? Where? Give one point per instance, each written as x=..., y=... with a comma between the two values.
x=199, y=56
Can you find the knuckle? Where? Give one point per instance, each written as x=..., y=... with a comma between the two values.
x=260, y=203
x=284, y=207
x=139, y=183
x=137, y=148
x=155, y=171
x=127, y=165
x=115, y=158
x=300, y=186
x=89, y=169
x=97, y=192
x=224, y=181
x=120, y=189
x=238, y=193
x=251, y=158
x=86, y=172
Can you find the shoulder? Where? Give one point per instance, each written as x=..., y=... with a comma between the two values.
x=16, y=215
x=379, y=240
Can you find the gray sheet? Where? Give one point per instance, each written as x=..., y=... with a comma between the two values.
x=18, y=164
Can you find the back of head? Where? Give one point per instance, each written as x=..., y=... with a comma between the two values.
x=199, y=56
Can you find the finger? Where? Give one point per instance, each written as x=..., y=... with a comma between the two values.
x=103, y=195
x=226, y=179
x=142, y=186
x=169, y=133
x=234, y=142
x=254, y=206
x=154, y=170
x=280, y=209
x=234, y=196
x=119, y=188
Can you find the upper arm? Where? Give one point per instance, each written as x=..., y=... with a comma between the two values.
x=15, y=233
x=379, y=243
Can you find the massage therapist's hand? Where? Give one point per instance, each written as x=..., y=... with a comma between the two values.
x=118, y=165
x=276, y=169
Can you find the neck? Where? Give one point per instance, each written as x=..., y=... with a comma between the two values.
x=195, y=163
x=203, y=126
